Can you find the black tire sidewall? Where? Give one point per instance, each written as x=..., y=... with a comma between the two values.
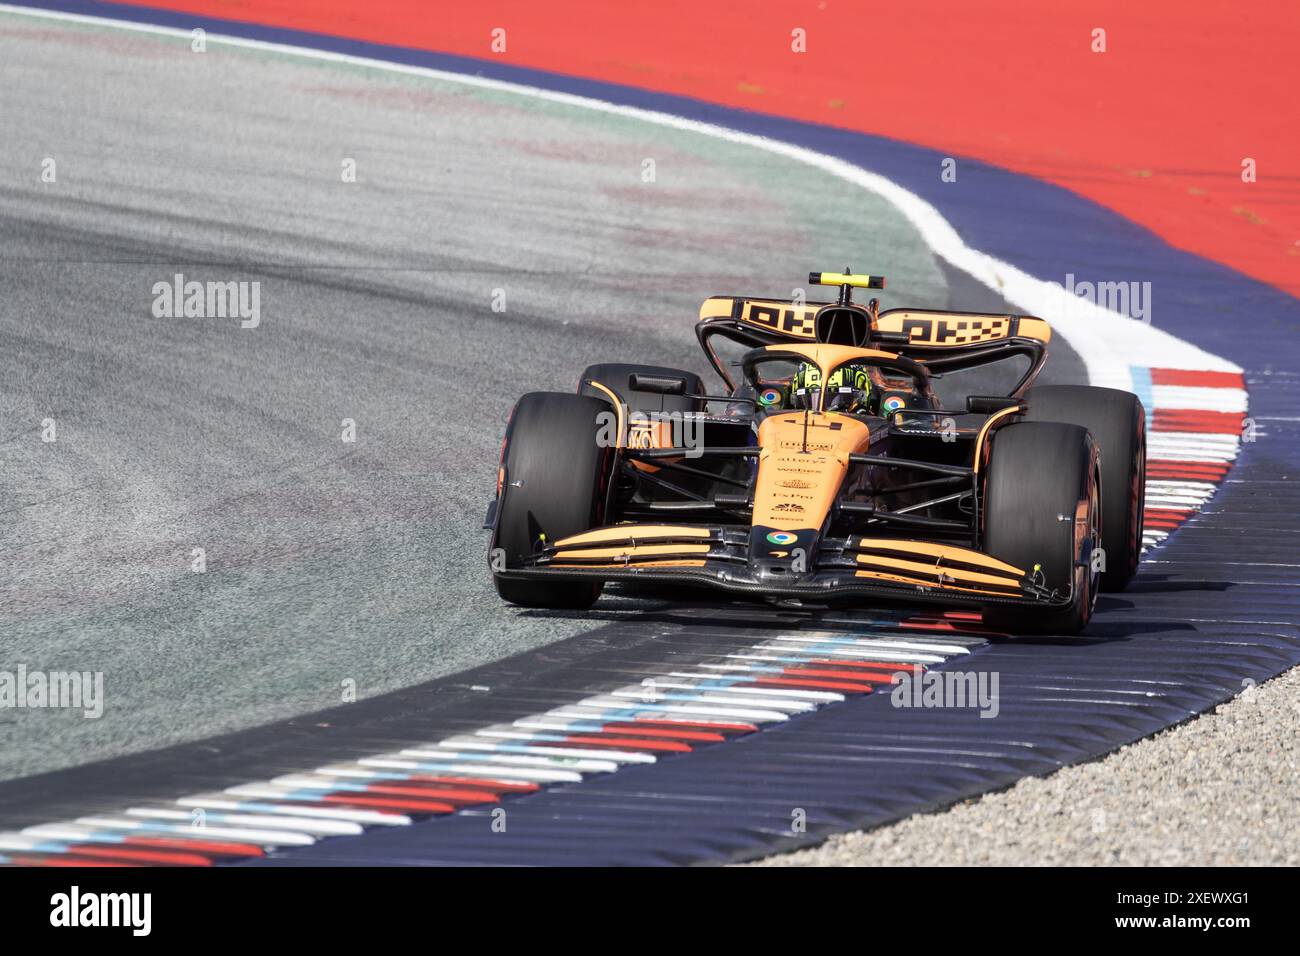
x=1117, y=422
x=1037, y=472
x=555, y=482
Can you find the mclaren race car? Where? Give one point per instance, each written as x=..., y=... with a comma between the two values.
x=825, y=470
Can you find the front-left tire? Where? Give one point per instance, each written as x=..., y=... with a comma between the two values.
x=554, y=482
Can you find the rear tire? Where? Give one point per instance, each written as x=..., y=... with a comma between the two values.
x=555, y=480
x=1118, y=423
x=619, y=377
x=1039, y=472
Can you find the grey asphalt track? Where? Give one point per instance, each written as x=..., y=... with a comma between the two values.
x=327, y=561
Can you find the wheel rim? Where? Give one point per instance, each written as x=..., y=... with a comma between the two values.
x=1139, y=506
x=1094, y=532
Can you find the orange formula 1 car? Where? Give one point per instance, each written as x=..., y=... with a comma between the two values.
x=826, y=471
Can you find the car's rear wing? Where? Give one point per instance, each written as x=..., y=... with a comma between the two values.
x=931, y=328
x=944, y=341
x=776, y=320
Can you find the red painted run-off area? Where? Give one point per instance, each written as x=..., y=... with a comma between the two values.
x=1156, y=127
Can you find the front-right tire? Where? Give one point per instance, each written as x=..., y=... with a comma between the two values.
x=1117, y=422
x=1043, y=514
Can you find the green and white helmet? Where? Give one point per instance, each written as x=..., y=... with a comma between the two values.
x=848, y=388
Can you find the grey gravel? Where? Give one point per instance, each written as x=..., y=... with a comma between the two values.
x=1220, y=790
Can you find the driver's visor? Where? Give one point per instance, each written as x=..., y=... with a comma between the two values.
x=841, y=399
x=810, y=398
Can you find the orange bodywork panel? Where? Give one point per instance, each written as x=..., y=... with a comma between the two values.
x=587, y=565
x=830, y=357
x=943, y=574
x=1034, y=329
x=647, y=433
x=621, y=546
x=798, y=478
x=988, y=426
x=941, y=553
x=644, y=432
x=901, y=579
x=631, y=532
x=631, y=552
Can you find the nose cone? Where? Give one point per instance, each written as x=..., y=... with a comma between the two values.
x=780, y=557
x=803, y=462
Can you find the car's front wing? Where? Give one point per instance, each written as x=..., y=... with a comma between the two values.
x=842, y=569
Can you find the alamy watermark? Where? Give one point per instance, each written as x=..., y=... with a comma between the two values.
x=133, y=911
x=920, y=688
x=208, y=300
x=74, y=690
x=654, y=430
x=1128, y=298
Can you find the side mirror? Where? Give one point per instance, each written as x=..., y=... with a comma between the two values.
x=658, y=384
x=895, y=340
x=988, y=404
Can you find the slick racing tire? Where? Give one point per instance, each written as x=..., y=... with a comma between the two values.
x=1042, y=508
x=554, y=480
x=1118, y=422
x=619, y=378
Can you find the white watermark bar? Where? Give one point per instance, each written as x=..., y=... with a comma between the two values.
x=22, y=689
x=923, y=689
x=133, y=911
x=208, y=300
x=1127, y=298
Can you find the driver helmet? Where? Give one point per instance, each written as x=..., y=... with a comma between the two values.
x=848, y=388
